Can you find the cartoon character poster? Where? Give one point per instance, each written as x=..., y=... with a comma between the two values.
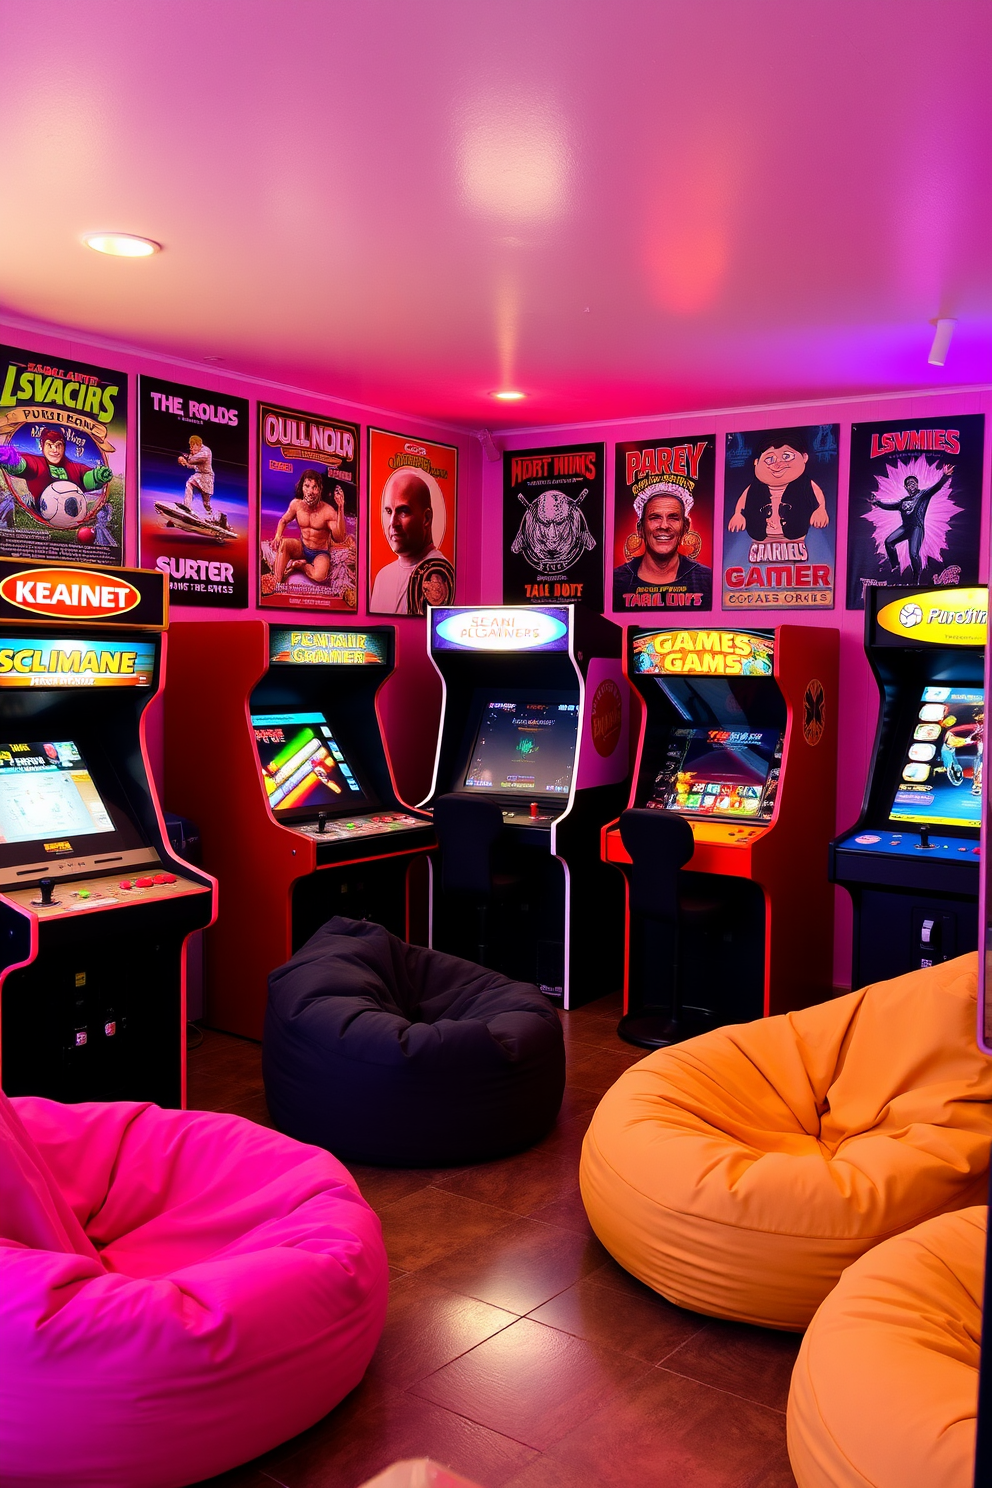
x=63, y=447
x=307, y=511
x=193, y=492
x=915, y=503
x=553, y=524
x=663, y=524
x=413, y=490
x=780, y=518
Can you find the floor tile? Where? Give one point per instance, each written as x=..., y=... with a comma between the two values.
x=429, y=1225
x=521, y=1183
x=755, y=1363
x=536, y=1382
x=567, y=1212
x=427, y=1327
x=530, y=1263
x=599, y=1069
x=382, y=1186
x=647, y=1328
x=576, y=1100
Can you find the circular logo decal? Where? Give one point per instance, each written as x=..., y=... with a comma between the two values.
x=910, y=615
x=606, y=718
x=814, y=712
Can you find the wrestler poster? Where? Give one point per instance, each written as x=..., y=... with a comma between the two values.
x=915, y=503
x=780, y=519
x=663, y=524
x=553, y=525
x=63, y=447
x=307, y=511
x=413, y=493
x=193, y=492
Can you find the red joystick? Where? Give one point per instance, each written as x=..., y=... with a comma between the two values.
x=144, y=883
x=533, y=809
x=164, y=878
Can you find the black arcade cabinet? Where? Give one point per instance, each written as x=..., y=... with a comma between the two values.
x=535, y=721
x=911, y=862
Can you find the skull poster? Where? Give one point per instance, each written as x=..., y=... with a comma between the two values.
x=915, y=503
x=553, y=525
x=63, y=443
x=663, y=524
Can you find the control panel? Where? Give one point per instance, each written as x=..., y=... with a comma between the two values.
x=51, y=897
x=532, y=816
x=725, y=833
x=924, y=844
x=340, y=828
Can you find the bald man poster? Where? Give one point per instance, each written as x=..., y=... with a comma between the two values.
x=413, y=489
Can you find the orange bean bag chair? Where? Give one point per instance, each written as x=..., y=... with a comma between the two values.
x=739, y=1173
x=885, y=1389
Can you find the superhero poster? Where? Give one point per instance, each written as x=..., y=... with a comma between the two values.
x=663, y=524
x=780, y=519
x=63, y=446
x=307, y=511
x=915, y=503
x=193, y=492
x=413, y=492
x=553, y=525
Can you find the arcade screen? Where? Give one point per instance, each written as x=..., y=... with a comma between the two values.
x=524, y=746
x=719, y=772
x=46, y=791
x=940, y=783
x=303, y=767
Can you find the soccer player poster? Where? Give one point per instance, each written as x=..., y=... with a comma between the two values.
x=307, y=511
x=915, y=503
x=780, y=519
x=193, y=492
x=663, y=524
x=413, y=489
x=63, y=448
x=553, y=525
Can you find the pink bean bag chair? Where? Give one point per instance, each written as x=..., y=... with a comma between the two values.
x=179, y=1291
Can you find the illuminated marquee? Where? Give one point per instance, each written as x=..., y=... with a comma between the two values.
x=68, y=662
x=308, y=647
x=69, y=593
x=705, y=653
x=505, y=629
x=941, y=617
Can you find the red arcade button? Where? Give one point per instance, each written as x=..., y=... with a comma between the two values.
x=144, y=883
x=161, y=878
x=125, y=883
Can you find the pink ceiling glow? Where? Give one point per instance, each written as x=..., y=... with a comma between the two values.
x=614, y=206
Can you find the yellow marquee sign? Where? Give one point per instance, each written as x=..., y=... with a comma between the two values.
x=939, y=617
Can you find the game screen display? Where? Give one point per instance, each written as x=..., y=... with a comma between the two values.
x=46, y=791
x=720, y=772
x=940, y=783
x=302, y=765
x=525, y=747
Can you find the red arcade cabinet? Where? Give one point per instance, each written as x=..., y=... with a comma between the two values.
x=273, y=747
x=739, y=737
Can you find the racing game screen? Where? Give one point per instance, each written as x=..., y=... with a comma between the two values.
x=719, y=772
x=303, y=767
x=940, y=783
x=46, y=791
x=525, y=748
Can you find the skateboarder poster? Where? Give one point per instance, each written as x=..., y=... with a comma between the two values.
x=553, y=525
x=193, y=492
x=307, y=511
x=915, y=503
x=663, y=524
x=413, y=488
x=780, y=518
x=63, y=446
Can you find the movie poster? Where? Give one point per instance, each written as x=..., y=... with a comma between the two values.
x=663, y=524
x=780, y=519
x=553, y=524
x=193, y=492
x=915, y=503
x=63, y=446
x=413, y=492
x=307, y=511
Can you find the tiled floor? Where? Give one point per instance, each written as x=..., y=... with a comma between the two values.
x=516, y=1351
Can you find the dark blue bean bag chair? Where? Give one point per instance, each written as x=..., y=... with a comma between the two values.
x=396, y=1055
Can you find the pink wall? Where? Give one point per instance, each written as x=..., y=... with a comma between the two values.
x=858, y=694
x=411, y=698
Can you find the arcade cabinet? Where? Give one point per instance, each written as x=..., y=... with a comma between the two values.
x=739, y=739
x=273, y=747
x=534, y=720
x=911, y=861
x=95, y=908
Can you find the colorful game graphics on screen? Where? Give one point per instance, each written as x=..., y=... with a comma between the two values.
x=941, y=779
x=728, y=773
x=303, y=768
x=46, y=791
x=526, y=747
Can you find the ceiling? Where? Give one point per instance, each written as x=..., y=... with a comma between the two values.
x=616, y=206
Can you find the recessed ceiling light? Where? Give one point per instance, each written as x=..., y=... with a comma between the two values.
x=508, y=396
x=122, y=245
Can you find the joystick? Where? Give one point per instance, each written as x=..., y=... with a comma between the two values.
x=925, y=837
x=533, y=810
x=322, y=822
x=47, y=887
